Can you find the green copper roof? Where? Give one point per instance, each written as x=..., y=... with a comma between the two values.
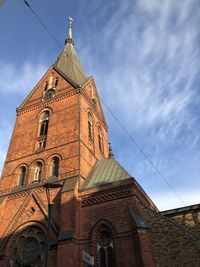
x=68, y=62
x=106, y=171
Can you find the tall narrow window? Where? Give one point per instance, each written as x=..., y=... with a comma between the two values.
x=45, y=86
x=43, y=129
x=90, y=126
x=102, y=257
x=38, y=172
x=105, y=247
x=100, y=139
x=22, y=176
x=44, y=121
x=55, y=167
x=110, y=258
x=56, y=82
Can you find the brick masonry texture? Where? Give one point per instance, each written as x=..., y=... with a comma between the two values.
x=80, y=218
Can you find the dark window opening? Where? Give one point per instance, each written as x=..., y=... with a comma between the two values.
x=100, y=139
x=105, y=248
x=44, y=128
x=56, y=82
x=102, y=257
x=55, y=167
x=90, y=131
x=94, y=102
x=22, y=176
x=109, y=252
x=46, y=86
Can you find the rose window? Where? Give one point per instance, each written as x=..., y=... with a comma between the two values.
x=28, y=248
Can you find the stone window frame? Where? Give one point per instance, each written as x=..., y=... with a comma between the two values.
x=100, y=226
x=33, y=170
x=37, y=172
x=16, y=242
x=49, y=164
x=42, y=138
x=18, y=172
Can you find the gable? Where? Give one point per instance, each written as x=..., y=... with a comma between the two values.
x=92, y=94
x=47, y=81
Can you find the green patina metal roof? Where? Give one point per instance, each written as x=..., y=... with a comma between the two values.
x=106, y=171
x=68, y=62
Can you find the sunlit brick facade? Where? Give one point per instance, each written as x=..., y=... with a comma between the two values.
x=61, y=137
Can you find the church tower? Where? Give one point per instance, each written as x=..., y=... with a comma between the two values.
x=59, y=155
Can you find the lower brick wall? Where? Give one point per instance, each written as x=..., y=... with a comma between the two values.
x=173, y=242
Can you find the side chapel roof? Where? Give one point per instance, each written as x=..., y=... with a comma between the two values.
x=105, y=171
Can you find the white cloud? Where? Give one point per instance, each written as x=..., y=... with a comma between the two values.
x=15, y=82
x=157, y=69
x=149, y=80
x=20, y=80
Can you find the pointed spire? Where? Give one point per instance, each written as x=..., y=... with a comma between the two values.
x=68, y=62
x=69, y=35
x=110, y=155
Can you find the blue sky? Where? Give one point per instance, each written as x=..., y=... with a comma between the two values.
x=144, y=56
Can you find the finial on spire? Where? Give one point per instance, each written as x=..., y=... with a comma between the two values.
x=110, y=155
x=69, y=35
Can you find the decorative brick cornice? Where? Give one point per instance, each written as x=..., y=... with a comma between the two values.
x=11, y=194
x=19, y=194
x=46, y=103
x=98, y=198
x=5, y=192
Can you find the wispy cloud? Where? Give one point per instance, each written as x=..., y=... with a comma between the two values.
x=156, y=51
x=150, y=80
x=15, y=83
x=19, y=79
x=144, y=56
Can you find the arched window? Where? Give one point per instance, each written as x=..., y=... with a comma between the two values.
x=21, y=176
x=105, y=246
x=55, y=167
x=38, y=171
x=44, y=121
x=90, y=126
x=100, y=139
x=43, y=129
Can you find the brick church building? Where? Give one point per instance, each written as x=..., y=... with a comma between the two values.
x=65, y=201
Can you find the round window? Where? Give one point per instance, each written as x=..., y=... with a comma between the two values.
x=30, y=251
x=27, y=248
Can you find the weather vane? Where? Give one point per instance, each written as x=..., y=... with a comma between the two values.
x=69, y=36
